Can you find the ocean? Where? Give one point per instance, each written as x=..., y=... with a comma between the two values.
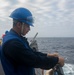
x=65, y=48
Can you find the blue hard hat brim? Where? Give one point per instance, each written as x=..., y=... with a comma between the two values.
x=30, y=24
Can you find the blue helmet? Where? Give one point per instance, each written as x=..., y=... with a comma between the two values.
x=23, y=15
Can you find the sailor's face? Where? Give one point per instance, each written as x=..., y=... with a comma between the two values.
x=26, y=29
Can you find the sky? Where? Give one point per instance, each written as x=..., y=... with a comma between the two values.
x=52, y=18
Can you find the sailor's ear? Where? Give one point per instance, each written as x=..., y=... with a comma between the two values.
x=19, y=24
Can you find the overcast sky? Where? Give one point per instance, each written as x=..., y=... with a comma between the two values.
x=53, y=18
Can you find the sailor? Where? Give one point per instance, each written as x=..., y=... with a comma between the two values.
x=17, y=57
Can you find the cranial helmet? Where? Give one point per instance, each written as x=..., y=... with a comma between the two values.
x=23, y=15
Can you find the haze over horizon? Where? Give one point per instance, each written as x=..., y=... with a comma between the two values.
x=53, y=18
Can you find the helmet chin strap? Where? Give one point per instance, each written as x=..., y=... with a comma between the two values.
x=22, y=29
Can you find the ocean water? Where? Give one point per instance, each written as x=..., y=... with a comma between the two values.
x=65, y=48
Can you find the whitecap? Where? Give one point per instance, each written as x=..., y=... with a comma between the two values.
x=68, y=69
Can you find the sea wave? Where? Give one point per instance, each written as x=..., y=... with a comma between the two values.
x=68, y=69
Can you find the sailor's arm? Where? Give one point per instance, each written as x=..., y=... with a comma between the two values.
x=16, y=51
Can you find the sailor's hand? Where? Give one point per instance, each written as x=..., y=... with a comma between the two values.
x=61, y=61
x=54, y=54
